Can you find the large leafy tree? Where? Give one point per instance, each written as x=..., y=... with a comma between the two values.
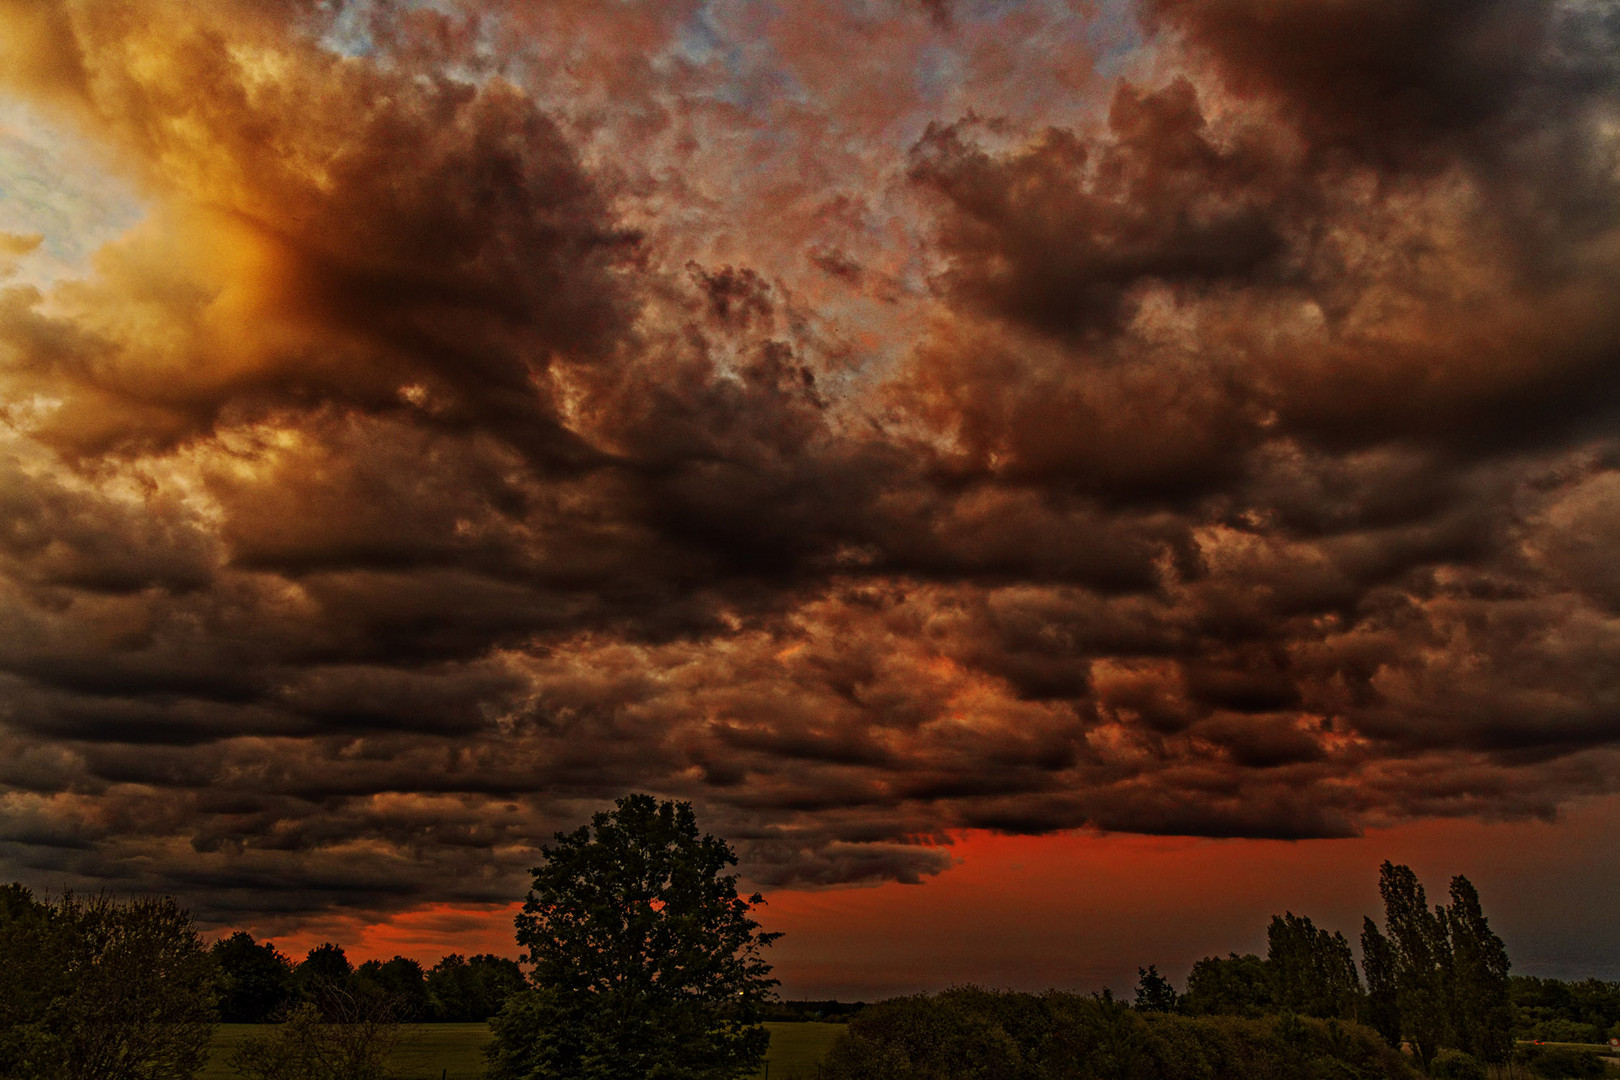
x=325, y=978
x=400, y=982
x=100, y=989
x=646, y=961
x=256, y=979
x=1235, y=986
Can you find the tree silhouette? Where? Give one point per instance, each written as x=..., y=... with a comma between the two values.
x=646, y=961
x=1312, y=971
x=1154, y=992
x=1482, y=1009
x=256, y=979
x=1445, y=969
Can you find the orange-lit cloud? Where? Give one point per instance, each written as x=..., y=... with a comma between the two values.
x=1187, y=419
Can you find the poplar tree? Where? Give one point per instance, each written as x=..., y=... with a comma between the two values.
x=1312, y=971
x=1482, y=1010
x=1437, y=977
x=1422, y=955
x=1378, y=961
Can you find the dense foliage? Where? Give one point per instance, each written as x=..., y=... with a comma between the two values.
x=259, y=984
x=99, y=989
x=1443, y=969
x=1587, y=1011
x=987, y=1035
x=646, y=961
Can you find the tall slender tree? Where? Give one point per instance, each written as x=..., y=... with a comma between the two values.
x=1378, y=962
x=1482, y=1010
x=1312, y=971
x=1422, y=961
x=1440, y=976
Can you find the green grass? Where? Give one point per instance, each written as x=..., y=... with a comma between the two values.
x=796, y=1049
x=456, y=1051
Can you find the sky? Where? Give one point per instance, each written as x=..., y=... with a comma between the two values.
x=1054, y=482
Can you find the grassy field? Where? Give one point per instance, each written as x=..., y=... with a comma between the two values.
x=456, y=1051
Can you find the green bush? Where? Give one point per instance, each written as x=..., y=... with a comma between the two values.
x=972, y=1034
x=1451, y=1064
x=1563, y=1062
x=1571, y=1031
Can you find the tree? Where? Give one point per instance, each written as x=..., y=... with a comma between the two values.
x=646, y=962
x=1445, y=969
x=256, y=979
x=1236, y=986
x=101, y=990
x=1312, y=972
x=400, y=982
x=1383, y=1004
x=1482, y=1007
x=325, y=978
x=466, y=990
x=1422, y=954
x=1154, y=992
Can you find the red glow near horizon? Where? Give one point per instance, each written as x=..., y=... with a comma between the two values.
x=1084, y=910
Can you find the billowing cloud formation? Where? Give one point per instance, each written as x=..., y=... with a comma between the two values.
x=1194, y=419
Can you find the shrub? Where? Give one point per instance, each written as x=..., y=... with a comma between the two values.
x=977, y=1034
x=1455, y=1065
x=1563, y=1062
x=310, y=1046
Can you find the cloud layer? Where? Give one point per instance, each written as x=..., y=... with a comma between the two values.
x=1194, y=418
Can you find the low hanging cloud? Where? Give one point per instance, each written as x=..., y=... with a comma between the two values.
x=501, y=408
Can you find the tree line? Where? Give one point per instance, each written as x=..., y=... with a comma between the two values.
x=643, y=960
x=1434, y=980
x=259, y=984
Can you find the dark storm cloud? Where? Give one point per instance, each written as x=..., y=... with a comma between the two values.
x=452, y=448
x=1408, y=84
x=1055, y=235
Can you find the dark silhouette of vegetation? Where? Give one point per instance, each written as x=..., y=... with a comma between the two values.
x=1436, y=979
x=1587, y=1011
x=969, y=1032
x=1564, y=1063
x=1312, y=972
x=256, y=981
x=646, y=961
x=1235, y=986
x=1383, y=1010
x=463, y=989
x=347, y=1036
x=1154, y=992
x=824, y=1011
x=401, y=982
x=324, y=975
x=1445, y=968
x=99, y=989
x=259, y=984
